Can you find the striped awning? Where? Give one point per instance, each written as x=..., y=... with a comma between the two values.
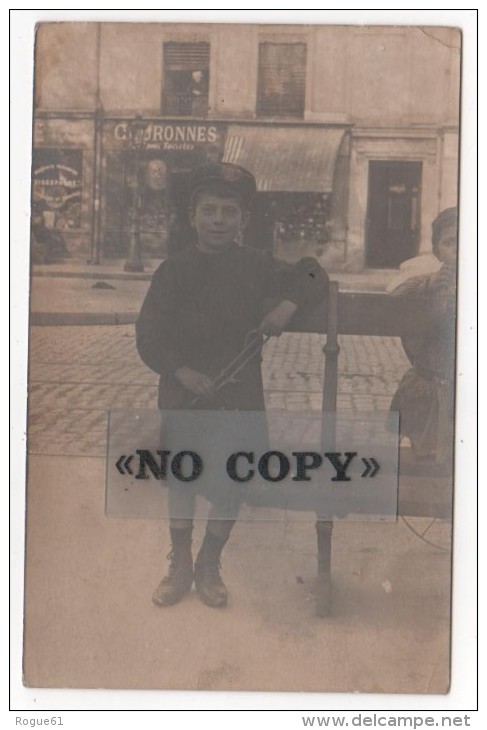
x=292, y=159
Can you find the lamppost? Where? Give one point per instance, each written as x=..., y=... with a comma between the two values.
x=136, y=131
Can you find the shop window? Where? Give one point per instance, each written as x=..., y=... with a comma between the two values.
x=281, y=79
x=130, y=184
x=302, y=218
x=57, y=183
x=186, y=79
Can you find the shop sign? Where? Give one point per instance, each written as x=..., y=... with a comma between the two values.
x=168, y=136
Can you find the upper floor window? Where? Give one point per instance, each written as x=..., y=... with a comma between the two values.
x=281, y=79
x=186, y=79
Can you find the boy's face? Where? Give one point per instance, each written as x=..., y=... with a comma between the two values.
x=218, y=220
x=447, y=246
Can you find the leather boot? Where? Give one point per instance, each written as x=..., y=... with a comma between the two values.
x=179, y=578
x=207, y=580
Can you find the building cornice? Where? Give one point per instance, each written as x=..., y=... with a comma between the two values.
x=408, y=132
x=128, y=116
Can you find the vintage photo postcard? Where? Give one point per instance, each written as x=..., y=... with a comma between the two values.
x=242, y=357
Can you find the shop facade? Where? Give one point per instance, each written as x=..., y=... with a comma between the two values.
x=400, y=180
x=145, y=168
x=63, y=177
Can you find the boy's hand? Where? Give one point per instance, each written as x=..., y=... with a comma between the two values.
x=275, y=321
x=197, y=383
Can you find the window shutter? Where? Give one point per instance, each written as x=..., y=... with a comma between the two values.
x=186, y=56
x=282, y=79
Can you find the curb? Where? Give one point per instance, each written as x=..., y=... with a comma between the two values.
x=98, y=276
x=75, y=319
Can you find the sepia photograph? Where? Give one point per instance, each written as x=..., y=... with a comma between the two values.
x=242, y=343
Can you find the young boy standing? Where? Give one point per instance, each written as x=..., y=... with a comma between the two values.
x=199, y=309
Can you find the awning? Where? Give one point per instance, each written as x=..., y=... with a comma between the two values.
x=293, y=159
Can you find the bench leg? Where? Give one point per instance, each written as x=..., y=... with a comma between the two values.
x=324, y=530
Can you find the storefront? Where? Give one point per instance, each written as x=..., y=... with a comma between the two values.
x=398, y=186
x=356, y=198
x=145, y=170
x=99, y=177
x=63, y=178
x=298, y=209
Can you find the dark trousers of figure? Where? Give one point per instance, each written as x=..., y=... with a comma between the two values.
x=221, y=517
x=247, y=394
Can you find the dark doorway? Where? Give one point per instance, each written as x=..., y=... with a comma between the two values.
x=393, y=213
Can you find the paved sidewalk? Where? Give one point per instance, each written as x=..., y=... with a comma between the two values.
x=111, y=269
x=73, y=293
x=90, y=578
x=76, y=301
x=368, y=280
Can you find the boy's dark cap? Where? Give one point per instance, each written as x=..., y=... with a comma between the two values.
x=232, y=176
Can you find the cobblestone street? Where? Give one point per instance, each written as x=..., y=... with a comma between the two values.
x=77, y=374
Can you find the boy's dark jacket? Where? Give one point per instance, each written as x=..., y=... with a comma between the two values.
x=200, y=307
